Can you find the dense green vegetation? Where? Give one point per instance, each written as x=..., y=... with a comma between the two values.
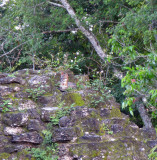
x=41, y=34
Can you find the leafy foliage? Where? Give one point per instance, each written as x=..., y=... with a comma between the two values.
x=134, y=43
x=42, y=35
x=35, y=93
x=6, y=105
x=61, y=113
x=153, y=154
x=48, y=151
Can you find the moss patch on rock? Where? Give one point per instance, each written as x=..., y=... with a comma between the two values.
x=74, y=98
x=115, y=112
x=119, y=150
x=4, y=156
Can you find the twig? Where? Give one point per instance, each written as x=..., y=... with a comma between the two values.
x=60, y=31
x=56, y=4
x=12, y=50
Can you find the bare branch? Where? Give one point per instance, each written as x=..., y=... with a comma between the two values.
x=12, y=50
x=56, y=4
x=60, y=31
x=89, y=35
x=108, y=21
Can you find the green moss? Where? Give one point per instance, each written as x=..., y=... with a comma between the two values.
x=79, y=130
x=126, y=123
x=95, y=153
x=4, y=156
x=11, y=96
x=94, y=115
x=115, y=149
x=115, y=112
x=75, y=98
x=105, y=156
x=101, y=131
x=24, y=155
x=48, y=95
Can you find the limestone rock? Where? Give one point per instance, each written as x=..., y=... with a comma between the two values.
x=86, y=133
x=63, y=150
x=5, y=90
x=80, y=112
x=40, y=81
x=105, y=112
x=9, y=80
x=63, y=134
x=90, y=138
x=64, y=121
x=13, y=130
x=33, y=113
x=26, y=104
x=22, y=95
x=30, y=137
x=149, y=133
x=91, y=124
x=152, y=143
x=15, y=119
x=17, y=147
x=3, y=141
x=1, y=128
x=16, y=89
x=47, y=112
x=121, y=149
x=116, y=128
x=35, y=125
x=46, y=100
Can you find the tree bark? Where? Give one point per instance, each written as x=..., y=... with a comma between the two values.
x=145, y=118
x=89, y=35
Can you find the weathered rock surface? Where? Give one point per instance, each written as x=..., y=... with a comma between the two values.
x=4, y=90
x=15, y=119
x=48, y=112
x=82, y=132
x=63, y=134
x=64, y=121
x=30, y=137
x=13, y=130
x=26, y=104
x=9, y=80
x=104, y=150
x=35, y=125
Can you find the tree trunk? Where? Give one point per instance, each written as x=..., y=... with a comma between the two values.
x=145, y=118
x=89, y=35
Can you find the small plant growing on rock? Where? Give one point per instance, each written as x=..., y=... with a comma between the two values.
x=6, y=105
x=11, y=75
x=100, y=94
x=106, y=129
x=48, y=150
x=35, y=93
x=153, y=154
x=61, y=113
